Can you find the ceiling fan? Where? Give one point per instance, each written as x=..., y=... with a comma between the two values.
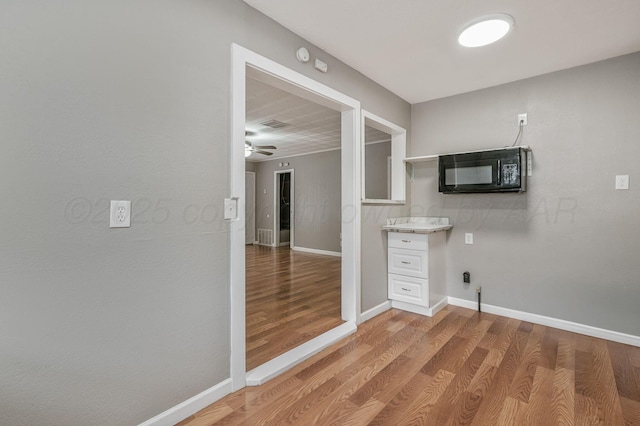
x=259, y=149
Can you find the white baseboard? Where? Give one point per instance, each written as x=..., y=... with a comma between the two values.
x=285, y=244
x=587, y=330
x=191, y=406
x=295, y=356
x=375, y=311
x=463, y=303
x=317, y=251
x=417, y=309
x=439, y=306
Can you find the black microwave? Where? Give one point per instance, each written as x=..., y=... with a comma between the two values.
x=498, y=170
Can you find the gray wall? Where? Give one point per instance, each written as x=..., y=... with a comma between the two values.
x=317, y=199
x=123, y=100
x=376, y=177
x=567, y=248
x=374, y=252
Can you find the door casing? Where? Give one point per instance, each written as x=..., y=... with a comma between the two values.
x=245, y=62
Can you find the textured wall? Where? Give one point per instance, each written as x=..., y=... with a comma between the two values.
x=317, y=198
x=568, y=247
x=123, y=100
x=376, y=177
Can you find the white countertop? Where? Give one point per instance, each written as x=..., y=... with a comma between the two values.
x=419, y=225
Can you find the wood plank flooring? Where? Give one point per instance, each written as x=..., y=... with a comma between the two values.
x=292, y=297
x=458, y=368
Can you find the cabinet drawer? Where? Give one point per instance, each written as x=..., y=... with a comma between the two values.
x=408, y=262
x=408, y=289
x=408, y=240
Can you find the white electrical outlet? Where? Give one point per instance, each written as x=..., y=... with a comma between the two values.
x=468, y=238
x=120, y=214
x=622, y=182
x=523, y=118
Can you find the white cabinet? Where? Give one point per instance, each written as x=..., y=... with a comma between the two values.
x=417, y=271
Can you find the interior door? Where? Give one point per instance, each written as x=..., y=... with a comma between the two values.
x=250, y=207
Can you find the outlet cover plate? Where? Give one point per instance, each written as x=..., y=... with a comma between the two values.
x=523, y=118
x=622, y=182
x=120, y=214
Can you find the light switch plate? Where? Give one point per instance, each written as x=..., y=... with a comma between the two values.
x=622, y=182
x=120, y=214
x=468, y=238
x=231, y=208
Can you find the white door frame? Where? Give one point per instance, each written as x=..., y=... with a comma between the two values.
x=276, y=207
x=242, y=62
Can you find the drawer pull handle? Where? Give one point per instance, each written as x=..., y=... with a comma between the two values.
x=405, y=262
x=406, y=241
x=405, y=289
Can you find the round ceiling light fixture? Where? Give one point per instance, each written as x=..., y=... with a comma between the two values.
x=485, y=30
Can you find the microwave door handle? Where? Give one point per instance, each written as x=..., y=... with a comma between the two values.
x=499, y=172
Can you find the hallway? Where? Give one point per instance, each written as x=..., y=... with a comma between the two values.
x=292, y=297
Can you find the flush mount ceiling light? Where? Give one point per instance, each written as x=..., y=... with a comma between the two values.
x=485, y=30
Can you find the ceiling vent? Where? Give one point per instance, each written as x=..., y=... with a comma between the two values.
x=274, y=124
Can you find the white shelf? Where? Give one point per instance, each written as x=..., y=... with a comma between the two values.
x=435, y=156
x=421, y=159
x=376, y=201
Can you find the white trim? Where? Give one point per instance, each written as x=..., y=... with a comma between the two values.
x=574, y=327
x=398, y=153
x=285, y=244
x=376, y=142
x=439, y=306
x=432, y=157
x=351, y=215
x=417, y=309
x=469, y=304
x=375, y=311
x=236, y=228
x=243, y=62
x=317, y=251
x=410, y=307
x=376, y=201
x=191, y=406
x=295, y=356
x=295, y=155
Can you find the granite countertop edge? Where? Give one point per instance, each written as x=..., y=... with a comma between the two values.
x=416, y=229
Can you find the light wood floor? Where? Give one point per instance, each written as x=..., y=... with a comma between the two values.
x=459, y=367
x=292, y=297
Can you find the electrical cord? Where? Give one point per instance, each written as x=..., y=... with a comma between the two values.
x=521, y=125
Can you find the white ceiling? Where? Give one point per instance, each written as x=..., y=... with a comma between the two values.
x=311, y=127
x=409, y=46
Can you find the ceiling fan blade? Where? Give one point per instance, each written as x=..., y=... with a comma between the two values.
x=265, y=147
x=263, y=152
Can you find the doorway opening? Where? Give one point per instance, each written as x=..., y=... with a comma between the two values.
x=284, y=213
x=245, y=61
